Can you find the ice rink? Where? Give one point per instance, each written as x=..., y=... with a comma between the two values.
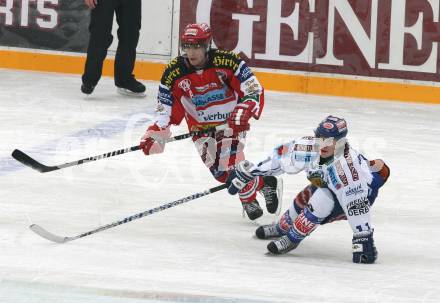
x=203, y=250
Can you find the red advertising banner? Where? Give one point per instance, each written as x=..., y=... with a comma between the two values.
x=375, y=38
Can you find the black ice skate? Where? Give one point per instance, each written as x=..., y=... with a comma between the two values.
x=281, y=246
x=132, y=88
x=252, y=209
x=273, y=193
x=267, y=231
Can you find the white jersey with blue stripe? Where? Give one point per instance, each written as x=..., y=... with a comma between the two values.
x=348, y=175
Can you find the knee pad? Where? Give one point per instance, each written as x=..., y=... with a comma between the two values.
x=321, y=203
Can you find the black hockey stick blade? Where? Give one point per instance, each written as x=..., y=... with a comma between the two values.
x=32, y=163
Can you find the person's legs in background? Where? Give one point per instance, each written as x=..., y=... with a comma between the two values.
x=100, y=28
x=128, y=16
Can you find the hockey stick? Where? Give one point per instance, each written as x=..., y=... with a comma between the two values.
x=34, y=164
x=58, y=239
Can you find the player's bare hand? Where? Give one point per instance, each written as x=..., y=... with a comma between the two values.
x=91, y=3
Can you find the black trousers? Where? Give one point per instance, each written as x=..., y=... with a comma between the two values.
x=128, y=17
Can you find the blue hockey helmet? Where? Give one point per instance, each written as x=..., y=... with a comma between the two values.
x=332, y=127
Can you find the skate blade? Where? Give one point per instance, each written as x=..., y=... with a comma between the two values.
x=280, y=196
x=126, y=92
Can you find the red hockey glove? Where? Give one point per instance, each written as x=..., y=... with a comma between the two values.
x=239, y=119
x=149, y=145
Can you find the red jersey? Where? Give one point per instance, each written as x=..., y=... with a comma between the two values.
x=206, y=97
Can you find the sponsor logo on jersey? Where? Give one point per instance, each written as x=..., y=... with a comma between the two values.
x=213, y=117
x=164, y=96
x=341, y=173
x=160, y=108
x=245, y=73
x=252, y=87
x=171, y=76
x=304, y=157
x=303, y=225
x=185, y=85
x=358, y=207
x=354, y=191
x=228, y=53
x=333, y=178
x=209, y=97
x=224, y=61
x=165, y=100
x=353, y=170
x=303, y=147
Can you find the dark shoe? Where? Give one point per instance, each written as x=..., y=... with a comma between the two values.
x=272, y=191
x=281, y=246
x=87, y=88
x=132, y=88
x=252, y=209
x=268, y=231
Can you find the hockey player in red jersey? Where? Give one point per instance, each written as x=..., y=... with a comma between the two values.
x=210, y=87
x=344, y=185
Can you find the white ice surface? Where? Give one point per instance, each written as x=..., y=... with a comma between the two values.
x=203, y=250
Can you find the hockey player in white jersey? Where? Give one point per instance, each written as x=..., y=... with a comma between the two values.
x=344, y=185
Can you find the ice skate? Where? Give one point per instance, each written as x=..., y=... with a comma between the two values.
x=132, y=88
x=273, y=193
x=252, y=209
x=281, y=246
x=267, y=231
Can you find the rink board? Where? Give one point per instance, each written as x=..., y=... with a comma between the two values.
x=374, y=49
x=311, y=83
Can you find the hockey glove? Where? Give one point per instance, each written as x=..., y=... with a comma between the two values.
x=238, y=121
x=317, y=176
x=364, y=250
x=239, y=177
x=152, y=141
